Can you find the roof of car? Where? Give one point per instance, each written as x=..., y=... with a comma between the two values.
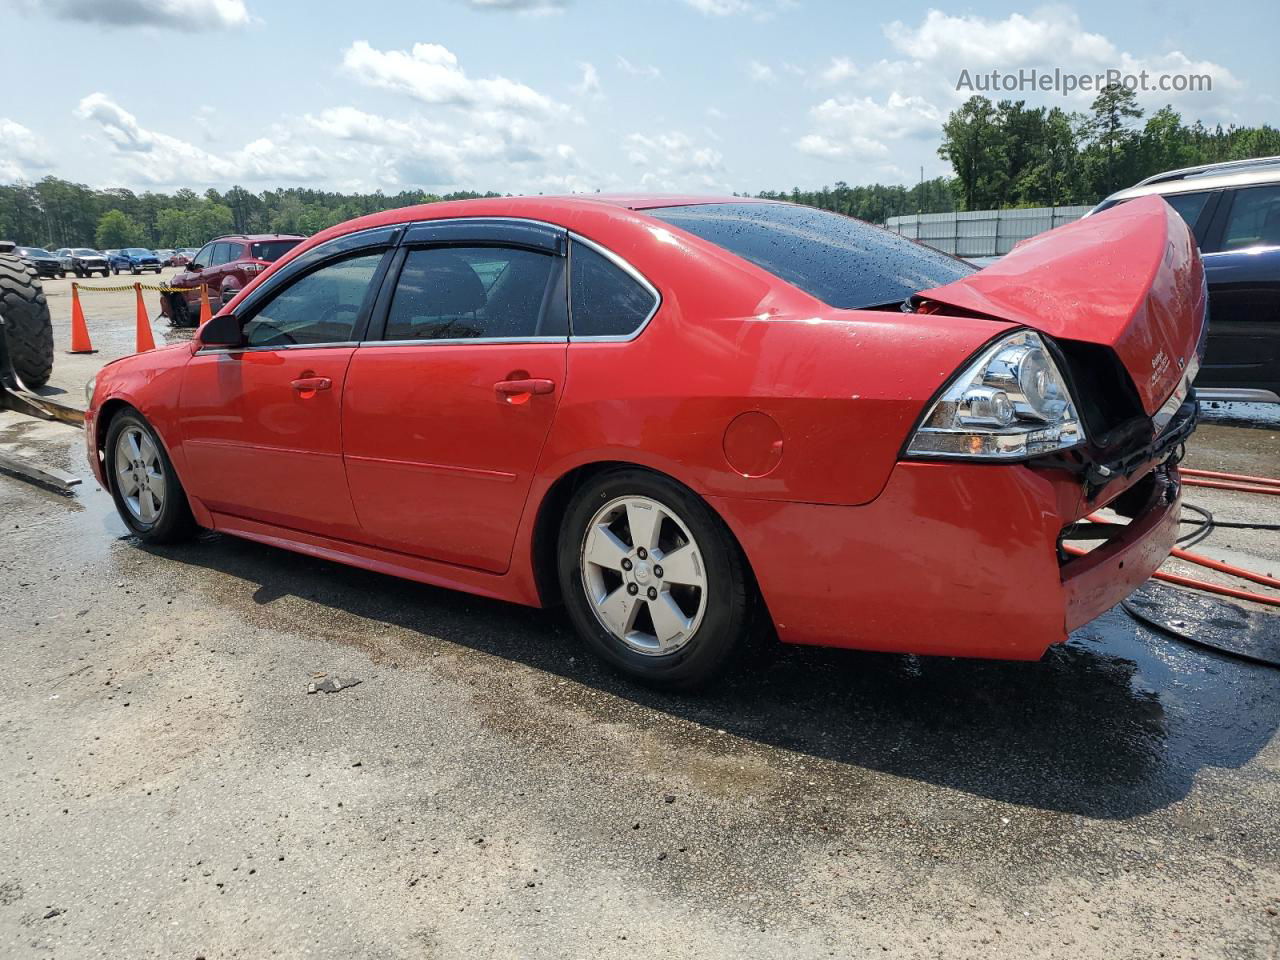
x=258, y=237
x=1197, y=179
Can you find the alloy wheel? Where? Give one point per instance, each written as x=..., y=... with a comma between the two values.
x=140, y=474
x=644, y=575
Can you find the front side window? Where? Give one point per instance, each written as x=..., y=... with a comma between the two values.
x=605, y=300
x=321, y=307
x=465, y=293
x=841, y=261
x=1254, y=219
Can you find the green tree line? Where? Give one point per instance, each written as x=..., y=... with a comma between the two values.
x=1003, y=154
x=1007, y=154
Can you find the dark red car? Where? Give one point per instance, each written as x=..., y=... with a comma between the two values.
x=225, y=266
x=683, y=417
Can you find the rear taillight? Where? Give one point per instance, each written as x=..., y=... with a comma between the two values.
x=252, y=268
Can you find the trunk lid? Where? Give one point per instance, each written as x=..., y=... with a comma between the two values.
x=1128, y=278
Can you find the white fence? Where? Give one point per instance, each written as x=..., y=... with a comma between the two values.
x=982, y=233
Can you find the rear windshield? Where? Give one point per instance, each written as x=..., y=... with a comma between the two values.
x=272, y=250
x=839, y=260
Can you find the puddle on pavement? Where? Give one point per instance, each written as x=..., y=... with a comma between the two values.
x=1265, y=416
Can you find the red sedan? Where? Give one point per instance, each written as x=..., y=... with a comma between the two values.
x=684, y=418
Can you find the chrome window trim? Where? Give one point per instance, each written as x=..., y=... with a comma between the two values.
x=455, y=341
x=204, y=351
x=626, y=267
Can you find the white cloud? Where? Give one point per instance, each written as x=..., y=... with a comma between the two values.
x=674, y=161
x=188, y=15
x=941, y=45
x=859, y=126
x=761, y=72
x=589, y=85
x=648, y=71
x=838, y=70
x=157, y=158
x=22, y=152
x=431, y=73
x=721, y=8
x=534, y=7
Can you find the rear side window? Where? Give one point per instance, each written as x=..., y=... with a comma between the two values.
x=1254, y=219
x=841, y=261
x=321, y=307
x=467, y=293
x=605, y=300
x=233, y=252
x=272, y=250
x=1188, y=205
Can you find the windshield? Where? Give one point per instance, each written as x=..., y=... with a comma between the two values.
x=843, y=262
x=85, y=252
x=34, y=252
x=272, y=250
x=138, y=252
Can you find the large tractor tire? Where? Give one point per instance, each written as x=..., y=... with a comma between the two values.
x=27, y=329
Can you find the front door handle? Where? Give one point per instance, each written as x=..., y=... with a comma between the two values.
x=510, y=389
x=311, y=384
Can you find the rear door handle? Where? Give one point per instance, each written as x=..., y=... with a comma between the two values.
x=514, y=388
x=311, y=384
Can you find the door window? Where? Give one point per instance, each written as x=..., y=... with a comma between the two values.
x=321, y=307
x=1254, y=220
x=232, y=253
x=205, y=257
x=466, y=293
x=606, y=301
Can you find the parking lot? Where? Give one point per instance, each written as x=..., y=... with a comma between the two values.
x=489, y=789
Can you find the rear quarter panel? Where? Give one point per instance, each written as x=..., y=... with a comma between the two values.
x=844, y=389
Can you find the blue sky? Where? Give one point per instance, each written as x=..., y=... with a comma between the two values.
x=555, y=95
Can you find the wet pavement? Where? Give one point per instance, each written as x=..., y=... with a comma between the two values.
x=489, y=790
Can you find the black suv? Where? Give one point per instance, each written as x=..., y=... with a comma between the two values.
x=1234, y=210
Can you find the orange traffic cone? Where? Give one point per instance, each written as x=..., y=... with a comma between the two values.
x=145, y=341
x=80, y=342
x=206, y=313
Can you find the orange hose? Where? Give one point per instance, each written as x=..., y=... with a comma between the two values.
x=1227, y=485
x=1218, y=565
x=1238, y=477
x=1216, y=588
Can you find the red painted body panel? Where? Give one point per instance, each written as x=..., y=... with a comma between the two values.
x=257, y=447
x=412, y=464
x=440, y=464
x=952, y=559
x=1128, y=278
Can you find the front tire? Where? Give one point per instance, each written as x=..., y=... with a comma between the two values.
x=653, y=580
x=146, y=489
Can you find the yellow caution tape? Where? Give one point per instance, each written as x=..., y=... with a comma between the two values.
x=118, y=288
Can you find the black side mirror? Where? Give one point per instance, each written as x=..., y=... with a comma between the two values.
x=222, y=331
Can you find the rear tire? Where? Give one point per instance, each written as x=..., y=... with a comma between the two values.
x=145, y=487
x=27, y=330
x=679, y=626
